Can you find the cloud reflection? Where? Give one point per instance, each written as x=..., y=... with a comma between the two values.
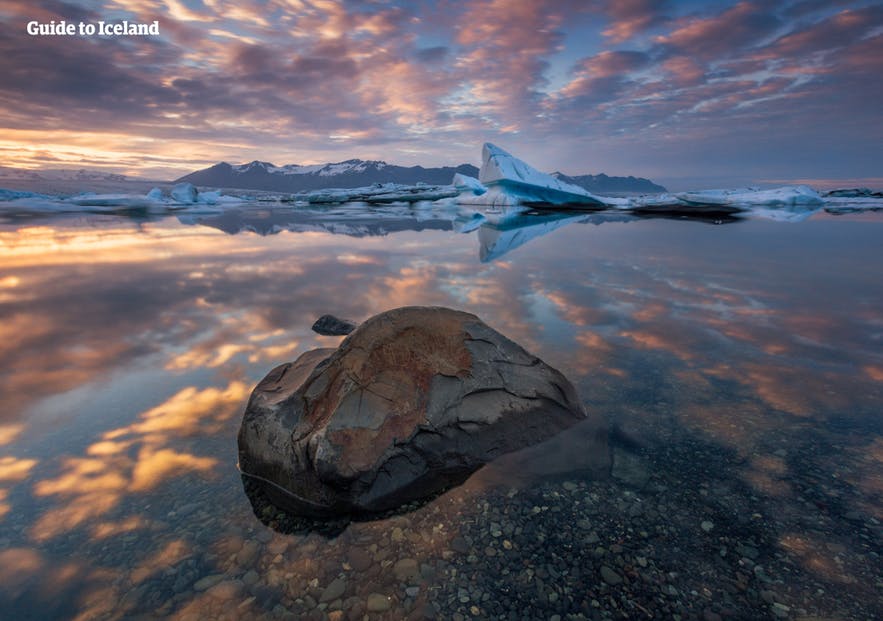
x=134, y=459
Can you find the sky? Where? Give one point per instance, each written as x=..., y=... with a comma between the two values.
x=685, y=93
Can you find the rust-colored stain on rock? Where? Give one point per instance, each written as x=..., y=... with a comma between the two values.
x=395, y=364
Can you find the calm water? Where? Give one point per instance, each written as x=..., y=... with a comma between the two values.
x=741, y=361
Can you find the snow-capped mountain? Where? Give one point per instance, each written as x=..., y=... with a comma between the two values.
x=354, y=173
x=323, y=170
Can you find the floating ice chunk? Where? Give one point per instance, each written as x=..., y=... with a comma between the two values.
x=515, y=180
x=382, y=193
x=651, y=201
x=666, y=203
x=616, y=202
x=184, y=193
x=35, y=203
x=853, y=193
x=465, y=183
x=90, y=202
x=415, y=194
x=112, y=201
x=788, y=195
x=327, y=196
x=11, y=195
x=215, y=197
x=209, y=198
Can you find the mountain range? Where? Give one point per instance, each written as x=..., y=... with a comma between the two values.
x=296, y=178
x=356, y=173
x=603, y=184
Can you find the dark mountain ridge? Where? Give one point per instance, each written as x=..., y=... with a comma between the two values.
x=354, y=173
x=294, y=178
x=602, y=183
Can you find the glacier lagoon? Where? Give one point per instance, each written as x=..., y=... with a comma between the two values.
x=736, y=360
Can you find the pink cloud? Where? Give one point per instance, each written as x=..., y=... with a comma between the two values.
x=684, y=71
x=505, y=43
x=726, y=33
x=631, y=17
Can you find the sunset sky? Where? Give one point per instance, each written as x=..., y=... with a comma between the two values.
x=685, y=92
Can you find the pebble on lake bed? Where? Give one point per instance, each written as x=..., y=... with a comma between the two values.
x=610, y=577
x=378, y=603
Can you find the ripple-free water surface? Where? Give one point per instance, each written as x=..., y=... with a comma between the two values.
x=738, y=365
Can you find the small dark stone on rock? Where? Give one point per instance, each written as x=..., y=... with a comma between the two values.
x=329, y=325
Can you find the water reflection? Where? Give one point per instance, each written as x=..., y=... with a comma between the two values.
x=128, y=349
x=503, y=233
x=351, y=219
x=581, y=450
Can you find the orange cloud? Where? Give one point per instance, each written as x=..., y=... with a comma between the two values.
x=9, y=432
x=15, y=468
x=156, y=465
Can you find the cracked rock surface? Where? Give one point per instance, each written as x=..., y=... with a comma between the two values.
x=413, y=401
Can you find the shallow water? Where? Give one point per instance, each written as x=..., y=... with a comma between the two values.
x=738, y=365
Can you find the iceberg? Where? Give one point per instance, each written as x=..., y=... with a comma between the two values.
x=214, y=197
x=494, y=198
x=465, y=183
x=13, y=195
x=381, y=193
x=785, y=196
x=113, y=201
x=184, y=193
x=853, y=193
x=187, y=195
x=671, y=204
x=511, y=181
x=89, y=202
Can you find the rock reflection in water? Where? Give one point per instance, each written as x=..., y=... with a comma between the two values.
x=581, y=451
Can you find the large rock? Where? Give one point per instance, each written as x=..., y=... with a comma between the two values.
x=414, y=400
